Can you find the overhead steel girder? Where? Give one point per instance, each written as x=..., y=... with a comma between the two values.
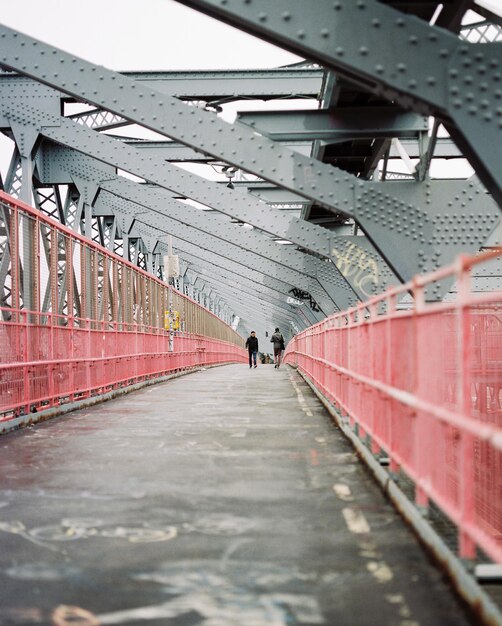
x=426, y=246
x=250, y=308
x=210, y=86
x=335, y=125
x=172, y=118
x=392, y=54
x=247, y=305
x=241, y=280
x=236, y=144
x=234, y=203
x=200, y=129
x=211, y=223
x=225, y=249
x=288, y=82
x=243, y=285
x=217, y=266
x=178, y=153
x=211, y=194
x=62, y=165
x=228, y=252
x=298, y=266
x=164, y=174
x=334, y=282
x=247, y=299
x=414, y=248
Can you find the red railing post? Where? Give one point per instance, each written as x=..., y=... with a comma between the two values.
x=423, y=440
x=467, y=547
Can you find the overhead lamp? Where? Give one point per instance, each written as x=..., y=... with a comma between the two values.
x=229, y=171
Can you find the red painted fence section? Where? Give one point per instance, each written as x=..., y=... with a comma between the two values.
x=422, y=381
x=51, y=352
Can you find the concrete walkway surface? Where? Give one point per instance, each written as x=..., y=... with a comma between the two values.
x=226, y=497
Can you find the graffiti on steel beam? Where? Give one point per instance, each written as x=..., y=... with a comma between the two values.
x=358, y=267
x=299, y=294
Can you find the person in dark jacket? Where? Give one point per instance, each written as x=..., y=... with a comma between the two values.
x=278, y=340
x=252, y=346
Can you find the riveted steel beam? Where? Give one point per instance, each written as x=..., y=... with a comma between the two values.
x=178, y=153
x=336, y=125
x=298, y=82
x=310, y=178
x=247, y=298
x=412, y=249
x=244, y=284
x=237, y=144
x=172, y=118
x=287, y=279
x=217, y=266
x=434, y=73
x=454, y=215
x=243, y=281
x=212, y=223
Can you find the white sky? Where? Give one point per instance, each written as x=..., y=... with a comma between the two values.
x=140, y=34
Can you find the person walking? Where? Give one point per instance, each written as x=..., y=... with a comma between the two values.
x=252, y=346
x=278, y=340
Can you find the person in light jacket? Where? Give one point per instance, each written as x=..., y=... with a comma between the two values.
x=278, y=340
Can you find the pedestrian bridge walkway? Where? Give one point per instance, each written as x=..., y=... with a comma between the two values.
x=226, y=497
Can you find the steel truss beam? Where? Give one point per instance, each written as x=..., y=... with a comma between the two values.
x=225, y=250
x=356, y=259
x=261, y=284
x=253, y=310
x=219, y=86
x=335, y=125
x=71, y=165
x=174, y=152
x=234, y=273
x=240, y=283
x=434, y=72
x=277, y=257
x=237, y=144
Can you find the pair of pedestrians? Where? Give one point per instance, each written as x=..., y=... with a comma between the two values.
x=252, y=345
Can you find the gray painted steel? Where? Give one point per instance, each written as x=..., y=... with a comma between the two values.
x=433, y=72
x=337, y=125
x=310, y=178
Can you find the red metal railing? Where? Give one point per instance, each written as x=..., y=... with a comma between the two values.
x=423, y=382
x=52, y=352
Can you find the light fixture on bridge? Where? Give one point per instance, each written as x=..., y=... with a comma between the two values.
x=229, y=171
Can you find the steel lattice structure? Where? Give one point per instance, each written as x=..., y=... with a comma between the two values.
x=327, y=205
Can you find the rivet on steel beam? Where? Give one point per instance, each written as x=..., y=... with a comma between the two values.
x=300, y=34
x=339, y=51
